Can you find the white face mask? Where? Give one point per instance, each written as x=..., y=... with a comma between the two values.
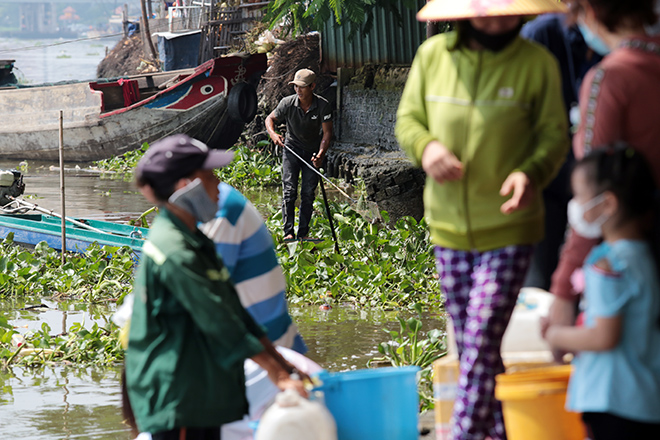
x=579, y=224
x=194, y=199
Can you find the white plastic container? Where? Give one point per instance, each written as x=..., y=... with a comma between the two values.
x=293, y=417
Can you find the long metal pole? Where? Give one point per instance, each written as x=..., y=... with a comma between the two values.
x=309, y=165
x=327, y=211
x=62, y=208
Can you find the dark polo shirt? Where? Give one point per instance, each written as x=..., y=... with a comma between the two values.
x=303, y=130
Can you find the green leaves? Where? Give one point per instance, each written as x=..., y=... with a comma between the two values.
x=100, y=273
x=79, y=345
x=251, y=168
x=125, y=163
x=297, y=17
x=409, y=347
x=378, y=266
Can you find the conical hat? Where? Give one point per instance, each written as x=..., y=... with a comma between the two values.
x=463, y=9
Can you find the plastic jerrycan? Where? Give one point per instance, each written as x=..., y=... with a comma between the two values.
x=292, y=417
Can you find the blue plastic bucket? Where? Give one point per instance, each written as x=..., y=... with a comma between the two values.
x=378, y=404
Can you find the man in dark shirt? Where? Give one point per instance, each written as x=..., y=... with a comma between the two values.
x=308, y=119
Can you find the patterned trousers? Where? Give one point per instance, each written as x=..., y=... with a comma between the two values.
x=480, y=289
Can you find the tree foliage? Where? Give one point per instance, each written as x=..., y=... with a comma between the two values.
x=298, y=17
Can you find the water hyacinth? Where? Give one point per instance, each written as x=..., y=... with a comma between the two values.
x=377, y=265
x=98, y=274
x=251, y=167
x=79, y=345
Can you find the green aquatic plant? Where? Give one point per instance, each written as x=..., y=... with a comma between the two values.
x=251, y=168
x=408, y=346
x=124, y=164
x=100, y=273
x=98, y=345
x=377, y=265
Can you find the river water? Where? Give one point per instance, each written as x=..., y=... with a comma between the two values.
x=53, y=60
x=65, y=402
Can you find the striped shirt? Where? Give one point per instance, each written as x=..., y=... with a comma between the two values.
x=246, y=248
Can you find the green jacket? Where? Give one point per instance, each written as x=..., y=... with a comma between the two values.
x=498, y=112
x=189, y=334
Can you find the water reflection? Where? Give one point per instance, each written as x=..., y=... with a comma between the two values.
x=345, y=338
x=86, y=194
x=61, y=403
x=59, y=315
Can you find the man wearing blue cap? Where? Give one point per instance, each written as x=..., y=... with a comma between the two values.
x=189, y=333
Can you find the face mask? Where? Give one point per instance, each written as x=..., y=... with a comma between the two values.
x=491, y=42
x=579, y=224
x=193, y=198
x=593, y=40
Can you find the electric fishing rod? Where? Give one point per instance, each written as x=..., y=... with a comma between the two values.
x=313, y=168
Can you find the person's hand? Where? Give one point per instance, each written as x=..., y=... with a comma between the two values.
x=549, y=337
x=440, y=163
x=545, y=325
x=292, y=368
x=562, y=312
x=523, y=192
x=317, y=160
x=548, y=334
x=287, y=382
x=277, y=139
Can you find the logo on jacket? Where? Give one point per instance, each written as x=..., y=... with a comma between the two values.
x=505, y=92
x=315, y=117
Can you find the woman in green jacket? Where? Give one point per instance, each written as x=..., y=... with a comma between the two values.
x=482, y=114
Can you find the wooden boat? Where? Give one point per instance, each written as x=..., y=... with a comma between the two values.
x=106, y=118
x=30, y=229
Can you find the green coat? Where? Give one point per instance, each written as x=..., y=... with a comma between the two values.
x=498, y=112
x=189, y=334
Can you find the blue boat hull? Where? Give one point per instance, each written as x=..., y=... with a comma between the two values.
x=32, y=229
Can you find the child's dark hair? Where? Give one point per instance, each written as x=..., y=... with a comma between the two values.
x=626, y=173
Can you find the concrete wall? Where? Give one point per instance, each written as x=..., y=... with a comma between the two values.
x=365, y=145
x=368, y=117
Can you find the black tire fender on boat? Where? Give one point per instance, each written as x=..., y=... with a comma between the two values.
x=242, y=102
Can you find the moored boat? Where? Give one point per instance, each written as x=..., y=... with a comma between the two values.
x=106, y=118
x=31, y=229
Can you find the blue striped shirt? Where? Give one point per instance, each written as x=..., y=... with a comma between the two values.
x=246, y=248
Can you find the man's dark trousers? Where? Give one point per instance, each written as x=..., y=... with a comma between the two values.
x=292, y=167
